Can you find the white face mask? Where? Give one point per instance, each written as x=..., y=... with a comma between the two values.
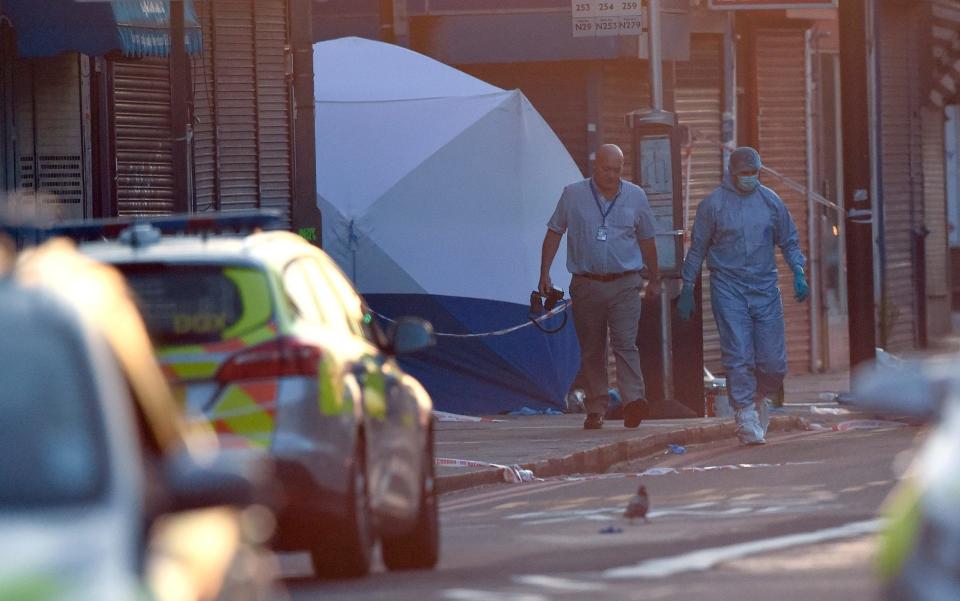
x=748, y=183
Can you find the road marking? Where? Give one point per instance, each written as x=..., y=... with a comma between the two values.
x=704, y=559
x=466, y=594
x=670, y=471
x=559, y=584
x=499, y=495
x=606, y=514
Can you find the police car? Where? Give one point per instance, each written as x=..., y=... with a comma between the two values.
x=106, y=493
x=267, y=340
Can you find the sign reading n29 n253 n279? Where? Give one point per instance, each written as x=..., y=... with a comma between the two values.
x=597, y=18
x=767, y=5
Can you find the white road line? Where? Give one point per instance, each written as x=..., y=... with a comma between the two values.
x=704, y=559
x=492, y=498
x=466, y=594
x=565, y=585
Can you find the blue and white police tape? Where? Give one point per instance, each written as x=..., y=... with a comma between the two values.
x=560, y=308
x=511, y=473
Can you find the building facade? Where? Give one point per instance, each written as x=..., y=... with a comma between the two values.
x=93, y=127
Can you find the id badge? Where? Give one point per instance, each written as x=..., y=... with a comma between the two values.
x=602, y=233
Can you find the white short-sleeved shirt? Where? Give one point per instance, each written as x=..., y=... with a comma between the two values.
x=628, y=221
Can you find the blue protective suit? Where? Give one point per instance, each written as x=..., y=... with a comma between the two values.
x=737, y=233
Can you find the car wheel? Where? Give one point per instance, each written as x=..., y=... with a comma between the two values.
x=420, y=548
x=347, y=551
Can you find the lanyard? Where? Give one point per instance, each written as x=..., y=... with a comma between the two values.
x=596, y=199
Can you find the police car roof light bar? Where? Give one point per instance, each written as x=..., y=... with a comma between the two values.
x=183, y=223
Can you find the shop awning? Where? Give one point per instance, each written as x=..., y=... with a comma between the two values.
x=135, y=27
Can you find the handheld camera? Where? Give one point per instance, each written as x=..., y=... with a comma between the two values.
x=539, y=304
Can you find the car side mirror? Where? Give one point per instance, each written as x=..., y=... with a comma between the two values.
x=411, y=334
x=216, y=479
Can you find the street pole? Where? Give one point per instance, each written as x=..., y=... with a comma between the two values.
x=654, y=57
x=653, y=46
x=179, y=109
x=305, y=215
x=856, y=68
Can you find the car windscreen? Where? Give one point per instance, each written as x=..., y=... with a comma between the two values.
x=52, y=447
x=198, y=304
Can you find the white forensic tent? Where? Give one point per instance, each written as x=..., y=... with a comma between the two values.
x=435, y=189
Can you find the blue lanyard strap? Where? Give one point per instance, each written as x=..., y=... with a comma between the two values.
x=613, y=202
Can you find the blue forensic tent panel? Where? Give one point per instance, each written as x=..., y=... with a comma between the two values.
x=489, y=374
x=436, y=188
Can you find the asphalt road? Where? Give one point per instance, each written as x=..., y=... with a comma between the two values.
x=790, y=521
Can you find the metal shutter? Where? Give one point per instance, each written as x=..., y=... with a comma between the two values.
x=142, y=136
x=698, y=100
x=558, y=90
x=273, y=105
x=901, y=174
x=235, y=88
x=782, y=141
x=206, y=157
x=625, y=87
x=242, y=139
x=935, y=213
x=50, y=135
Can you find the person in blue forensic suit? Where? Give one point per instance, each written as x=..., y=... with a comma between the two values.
x=737, y=229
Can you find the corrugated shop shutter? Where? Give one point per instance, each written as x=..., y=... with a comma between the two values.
x=901, y=173
x=782, y=141
x=624, y=87
x=206, y=157
x=935, y=213
x=273, y=105
x=698, y=100
x=142, y=136
x=558, y=90
x=50, y=134
x=242, y=138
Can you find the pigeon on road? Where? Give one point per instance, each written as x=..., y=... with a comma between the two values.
x=638, y=506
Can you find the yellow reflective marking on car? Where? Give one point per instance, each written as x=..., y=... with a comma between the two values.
x=259, y=335
x=32, y=588
x=254, y=296
x=903, y=512
x=189, y=349
x=194, y=370
x=375, y=395
x=242, y=415
x=330, y=398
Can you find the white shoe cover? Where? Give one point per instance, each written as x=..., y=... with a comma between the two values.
x=763, y=411
x=749, y=429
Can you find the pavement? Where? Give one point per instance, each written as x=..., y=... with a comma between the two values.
x=501, y=448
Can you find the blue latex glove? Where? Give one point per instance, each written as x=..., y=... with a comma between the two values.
x=800, y=288
x=685, y=303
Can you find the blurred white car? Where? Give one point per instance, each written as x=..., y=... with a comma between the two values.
x=104, y=494
x=919, y=554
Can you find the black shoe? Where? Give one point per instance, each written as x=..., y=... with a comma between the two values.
x=635, y=412
x=594, y=421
